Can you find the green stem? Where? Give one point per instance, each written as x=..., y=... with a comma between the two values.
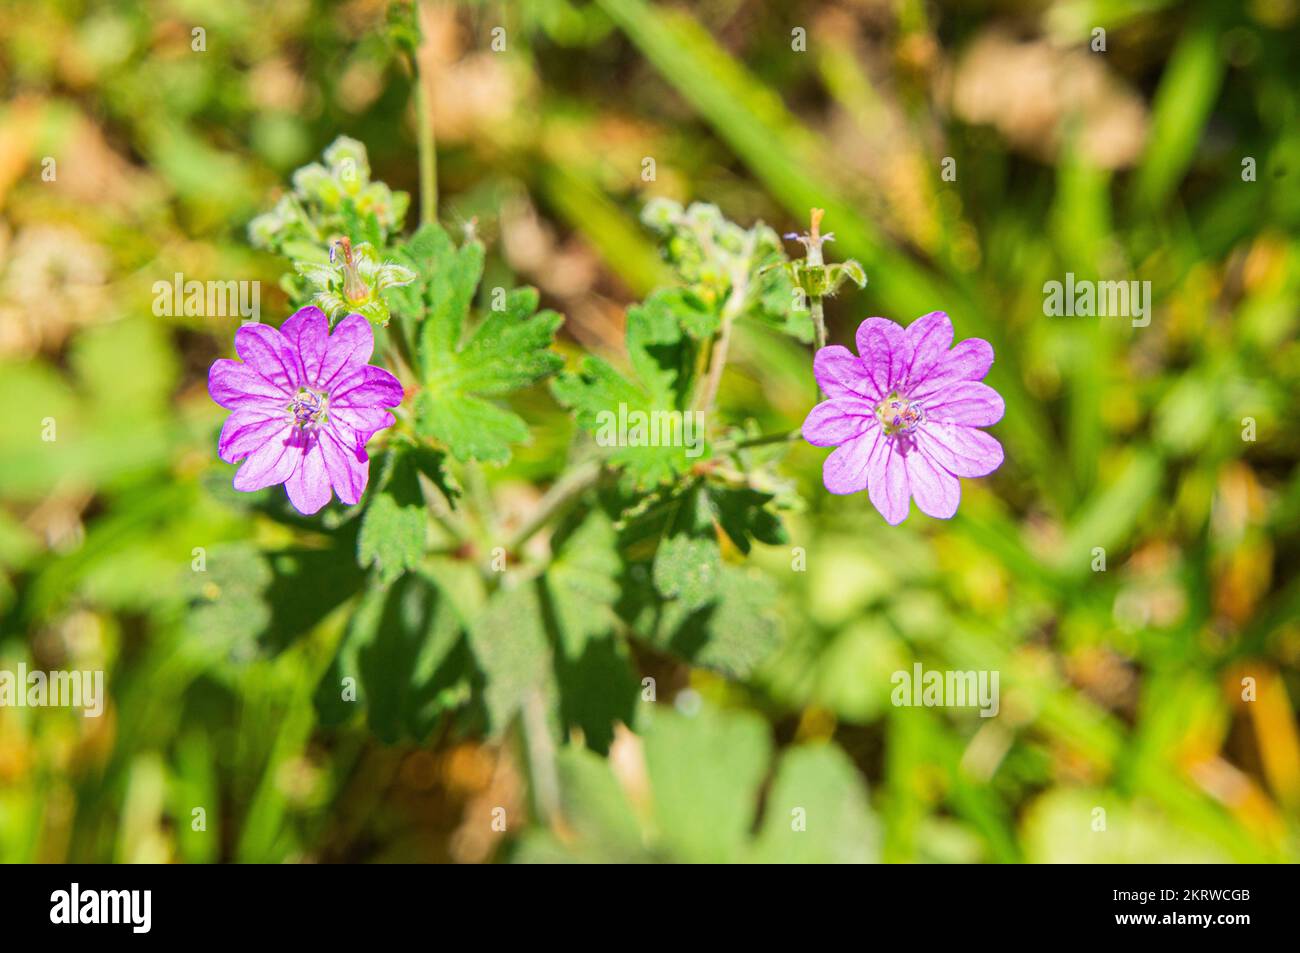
x=734, y=305
x=819, y=331
x=815, y=263
x=556, y=501
x=784, y=436
x=425, y=140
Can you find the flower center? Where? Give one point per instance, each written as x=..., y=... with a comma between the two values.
x=310, y=408
x=899, y=415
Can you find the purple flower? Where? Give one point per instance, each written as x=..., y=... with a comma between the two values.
x=903, y=415
x=304, y=402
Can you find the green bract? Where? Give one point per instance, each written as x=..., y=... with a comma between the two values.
x=354, y=282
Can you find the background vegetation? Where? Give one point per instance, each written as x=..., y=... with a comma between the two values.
x=1121, y=689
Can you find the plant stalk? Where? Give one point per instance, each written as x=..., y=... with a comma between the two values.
x=557, y=499
x=428, y=151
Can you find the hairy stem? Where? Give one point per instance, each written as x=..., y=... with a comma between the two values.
x=783, y=436
x=819, y=333
x=731, y=309
x=424, y=129
x=556, y=501
x=815, y=260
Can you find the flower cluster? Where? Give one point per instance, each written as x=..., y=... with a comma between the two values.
x=326, y=202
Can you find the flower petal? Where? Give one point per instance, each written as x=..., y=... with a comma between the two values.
x=363, y=420
x=885, y=353
x=309, y=484
x=936, y=491
x=839, y=373
x=930, y=337
x=264, y=349
x=271, y=463
x=970, y=403
x=348, y=466
x=832, y=422
x=962, y=451
x=887, y=485
x=246, y=430
x=308, y=330
x=234, y=385
x=970, y=360
x=367, y=387
x=349, y=349
x=845, y=470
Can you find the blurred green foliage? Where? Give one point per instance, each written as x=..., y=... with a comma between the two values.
x=1170, y=449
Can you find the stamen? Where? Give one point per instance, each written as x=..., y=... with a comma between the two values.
x=899, y=415
x=309, y=408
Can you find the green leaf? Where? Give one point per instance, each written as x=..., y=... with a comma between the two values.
x=817, y=811
x=510, y=349
x=263, y=601
x=593, y=666
x=705, y=772
x=228, y=599
x=691, y=603
x=688, y=569
x=394, y=527
x=1183, y=103
x=514, y=657
x=692, y=313
x=450, y=276
x=743, y=515
x=403, y=657
x=778, y=306
x=704, y=775
x=602, y=825
x=554, y=638
x=632, y=416
x=1059, y=828
x=733, y=633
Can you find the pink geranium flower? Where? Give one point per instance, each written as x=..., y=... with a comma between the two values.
x=304, y=402
x=903, y=415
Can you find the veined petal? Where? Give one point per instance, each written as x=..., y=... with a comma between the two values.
x=367, y=387
x=348, y=466
x=363, y=420
x=271, y=463
x=962, y=451
x=970, y=360
x=930, y=337
x=839, y=373
x=234, y=385
x=887, y=483
x=349, y=348
x=845, y=470
x=246, y=430
x=885, y=353
x=309, y=484
x=265, y=350
x=832, y=422
x=936, y=491
x=307, y=330
x=969, y=403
